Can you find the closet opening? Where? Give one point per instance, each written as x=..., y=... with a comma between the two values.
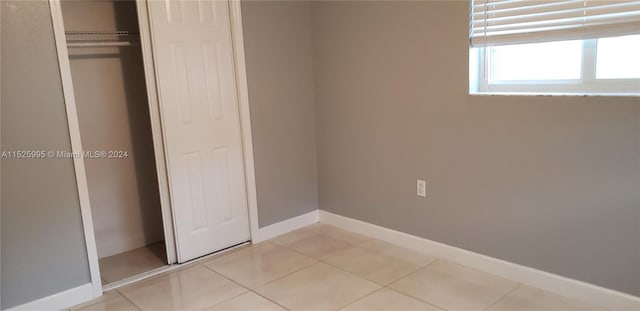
x=110, y=91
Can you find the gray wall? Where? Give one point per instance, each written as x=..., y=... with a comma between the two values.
x=43, y=249
x=547, y=182
x=277, y=39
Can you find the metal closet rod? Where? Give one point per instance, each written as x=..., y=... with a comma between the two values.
x=99, y=38
x=99, y=44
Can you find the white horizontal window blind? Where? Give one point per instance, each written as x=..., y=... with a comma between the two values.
x=502, y=22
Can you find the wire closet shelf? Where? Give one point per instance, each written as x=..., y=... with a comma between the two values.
x=88, y=39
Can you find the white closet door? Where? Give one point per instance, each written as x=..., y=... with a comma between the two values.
x=199, y=105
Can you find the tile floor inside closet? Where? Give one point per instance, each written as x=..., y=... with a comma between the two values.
x=321, y=267
x=131, y=263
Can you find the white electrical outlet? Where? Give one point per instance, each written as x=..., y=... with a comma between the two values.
x=421, y=188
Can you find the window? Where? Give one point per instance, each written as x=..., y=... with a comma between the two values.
x=540, y=47
x=618, y=58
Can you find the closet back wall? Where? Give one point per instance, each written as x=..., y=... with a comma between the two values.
x=112, y=106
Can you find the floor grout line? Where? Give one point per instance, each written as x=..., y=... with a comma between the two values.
x=131, y=302
x=361, y=298
x=416, y=298
x=419, y=267
x=409, y=295
x=503, y=297
x=288, y=274
x=187, y=266
x=270, y=300
x=316, y=261
x=278, y=278
x=297, y=251
x=353, y=274
x=432, y=304
x=228, y=279
x=352, y=245
x=323, y=257
x=322, y=260
x=92, y=302
x=245, y=287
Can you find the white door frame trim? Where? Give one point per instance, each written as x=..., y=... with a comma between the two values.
x=76, y=145
x=235, y=15
x=237, y=40
x=157, y=131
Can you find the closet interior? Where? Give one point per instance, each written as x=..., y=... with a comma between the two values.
x=110, y=92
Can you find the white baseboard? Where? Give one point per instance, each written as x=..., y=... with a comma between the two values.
x=279, y=228
x=59, y=301
x=564, y=286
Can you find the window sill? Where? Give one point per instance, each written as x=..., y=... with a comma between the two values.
x=554, y=94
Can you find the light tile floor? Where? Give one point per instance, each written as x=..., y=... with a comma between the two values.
x=325, y=268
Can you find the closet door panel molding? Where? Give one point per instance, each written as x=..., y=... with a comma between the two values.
x=200, y=114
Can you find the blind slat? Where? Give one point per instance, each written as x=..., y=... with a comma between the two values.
x=543, y=14
x=496, y=21
x=577, y=21
x=524, y=29
x=482, y=5
x=529, y=7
